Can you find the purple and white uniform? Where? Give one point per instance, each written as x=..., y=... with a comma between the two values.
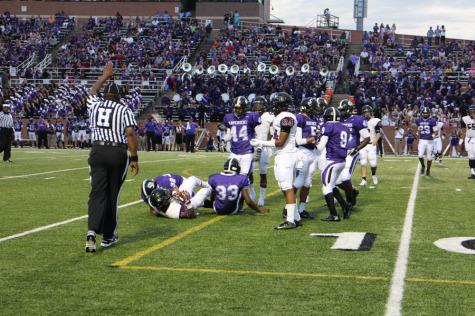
x=227, y=190
x=17, y=126
x=307, y=157
x=426, y=128
x=335, y=137
x=59, y=131
x=241, y=130
x=169, y=181
x=358, y=127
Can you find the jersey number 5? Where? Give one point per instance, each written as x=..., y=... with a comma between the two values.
x=104, y=118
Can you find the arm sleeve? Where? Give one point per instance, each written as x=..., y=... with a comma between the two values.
x=298, y=137
x=322, y=143
x=364, y=133
x=129, y=118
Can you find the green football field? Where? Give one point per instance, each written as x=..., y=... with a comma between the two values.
x=235, y=265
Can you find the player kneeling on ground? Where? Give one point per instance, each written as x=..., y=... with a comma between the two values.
x=229, y=188
x=178, y=202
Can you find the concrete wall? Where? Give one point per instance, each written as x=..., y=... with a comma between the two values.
x=86, y=9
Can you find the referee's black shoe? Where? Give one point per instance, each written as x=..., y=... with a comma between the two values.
x=106, y=243
x=90, y=242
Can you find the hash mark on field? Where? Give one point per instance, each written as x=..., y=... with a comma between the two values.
x=128, y=180
x=393, y=306
x=458, y=190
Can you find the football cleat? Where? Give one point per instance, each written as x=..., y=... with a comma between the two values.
x=347, y=211
x=286, y=225
x=331, y=219
x=363, y=183
x=106, y=243
x=375, y=180
x=472, y=177
x=427, y=173
x=299, y=223
x=261, y=202
x=90, y=243
x=306, y=215
x=423, y=169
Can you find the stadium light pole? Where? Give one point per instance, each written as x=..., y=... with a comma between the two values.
x=359, y=13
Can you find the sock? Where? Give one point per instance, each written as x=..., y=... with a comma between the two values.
x=262, y=193
x=302, y=206
x=331, y=204
x=421, y=160
x=291, y=212
x=429, y=163
x=471, y=163
x=373, y=171
x=364, y=178
x=252, y=193
x=297, y=215
x=91, y=232
x=348, y=188
x=339, y=197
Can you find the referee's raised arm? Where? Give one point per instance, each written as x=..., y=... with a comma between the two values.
x=112, y=126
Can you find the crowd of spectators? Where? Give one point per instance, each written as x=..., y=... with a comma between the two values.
x=55, y=101
x=136, y=46
x=21, y=37
x=269, y=44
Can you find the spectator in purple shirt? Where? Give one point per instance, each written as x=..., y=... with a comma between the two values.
x=190, y=131
x=150, y=132
x=42, y=127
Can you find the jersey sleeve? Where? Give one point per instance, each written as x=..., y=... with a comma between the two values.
x=301, y=121
x=244, y=182
x=129, y=119
x=326, y=130
x=286, y=124
x=91, y=100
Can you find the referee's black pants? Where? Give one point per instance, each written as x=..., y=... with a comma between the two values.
x=108, y=171
x=6, y=136
x=150, y=140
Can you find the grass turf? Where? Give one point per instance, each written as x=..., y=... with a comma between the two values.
x=237, y=265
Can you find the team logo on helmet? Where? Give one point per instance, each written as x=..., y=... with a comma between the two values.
x=280, y=102
x=159, y=199
x=232, y=166
x=331, y=114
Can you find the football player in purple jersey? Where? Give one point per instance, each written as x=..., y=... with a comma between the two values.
x=240, y=127
x=358, y=138
x=230, y=188
x=308, y=131
x=165, y=181
x=334, y=139
x=426, y=128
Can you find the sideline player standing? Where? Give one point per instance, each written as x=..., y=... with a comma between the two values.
x=18, y=126
x=113, y=131
x=426, y=126
x=368, y=153
x=240, y=130
x=468, y=135
x=308, y=131
x=263, y=154
x=285, y=125
x=439, y=136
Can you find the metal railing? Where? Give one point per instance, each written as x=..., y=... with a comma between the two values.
x=18, y=70
x=44, y=63
x=357, y=66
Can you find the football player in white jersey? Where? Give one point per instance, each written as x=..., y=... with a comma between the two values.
x=468, y=136
x=368, y=153
x=263, y=132
x=439, y=136
x=285, y=129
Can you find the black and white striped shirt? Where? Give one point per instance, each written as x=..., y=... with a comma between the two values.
x=108, y=120
x=6, y=120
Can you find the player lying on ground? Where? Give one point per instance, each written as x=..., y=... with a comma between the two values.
x=178, y=202
x=230, y=188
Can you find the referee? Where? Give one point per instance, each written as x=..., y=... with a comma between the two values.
x=113, y=131
x=6, y=132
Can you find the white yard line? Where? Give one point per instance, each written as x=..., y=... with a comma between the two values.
x=394, y=304
x=81, y=168
x=42, y=228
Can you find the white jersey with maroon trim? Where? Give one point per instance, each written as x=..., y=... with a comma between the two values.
x=283, y=121
x=263, y=129
x=469, y=124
